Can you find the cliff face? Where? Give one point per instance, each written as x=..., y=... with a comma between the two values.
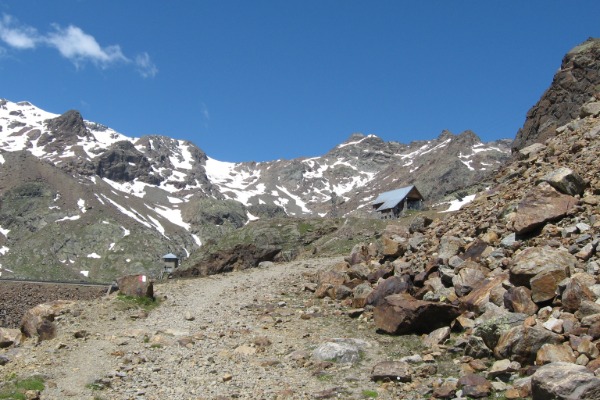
x=577, y=82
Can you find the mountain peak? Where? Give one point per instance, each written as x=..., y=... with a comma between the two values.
x=68, y=124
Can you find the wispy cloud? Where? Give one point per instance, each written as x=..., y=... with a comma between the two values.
x=73, y=44
x=145, y=66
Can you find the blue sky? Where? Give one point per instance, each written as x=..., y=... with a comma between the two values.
x=261, y=80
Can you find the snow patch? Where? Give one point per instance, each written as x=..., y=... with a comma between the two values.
x=85, y=273
x=4, y=250
x=81, y=205
x=73, y=218
x=93, y=255
x=4, y=231
x=455, y=205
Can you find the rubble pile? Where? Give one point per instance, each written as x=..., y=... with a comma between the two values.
x=513, y=279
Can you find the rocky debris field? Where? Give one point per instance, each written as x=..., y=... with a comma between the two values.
x=18, y=297
x=510, y=285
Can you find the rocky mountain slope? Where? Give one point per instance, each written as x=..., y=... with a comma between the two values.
x=575, y=83
x=511, y=282
x=95, y=204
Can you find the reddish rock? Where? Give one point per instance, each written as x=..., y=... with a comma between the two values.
x=360, y=295
x=522, y=343
x=475, y=386
x=480, y=296
x=542, y=204
x=384, y=272
x=518, y=299
x=466, y=280
x=401, y=313
x=536, y=260
x=574, y=294
x=394, y=246
x=544, y=284
x=550, y=353
x=391, y=285
x=136, y=285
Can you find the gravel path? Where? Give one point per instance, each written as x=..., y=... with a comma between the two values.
x=247, y=335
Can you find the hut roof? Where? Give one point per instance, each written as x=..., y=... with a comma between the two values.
x=388, y=200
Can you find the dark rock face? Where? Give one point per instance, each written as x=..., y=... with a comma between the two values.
x=124, y=163
x=572, y=86
x=66, y=128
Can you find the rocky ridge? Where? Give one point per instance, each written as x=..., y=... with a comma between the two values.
x=98, y=204
x=512, y=281
x=576, y=81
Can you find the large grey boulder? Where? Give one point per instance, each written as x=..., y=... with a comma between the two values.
x=566, y=181
x=564, y=381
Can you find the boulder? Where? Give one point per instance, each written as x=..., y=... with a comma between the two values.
x=575, y=292
x=466, y=279
x=550, y=353
x=540, y=205
x=522, y=343
x=360, y=295
x=590, y=109
x=394, y=246
x=561, y=380
x=436, y=337
x=345, y=351
x=475, y=386
x=518, y=299
x=136, y=286
x=449, y=246
x=392, y=371
x=536, y=260
x=10, y=337
x=38, y=321
x=566, y=181
x=477, y=299
x=402, y=313
x=544, y=284
x=392, y=285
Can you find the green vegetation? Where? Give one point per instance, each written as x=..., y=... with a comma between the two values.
x=15, y=388
x=371, y=394
x=145, y=303
x=95, y=386
x=323, y=377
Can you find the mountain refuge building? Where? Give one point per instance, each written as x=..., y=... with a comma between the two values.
x=395, y=203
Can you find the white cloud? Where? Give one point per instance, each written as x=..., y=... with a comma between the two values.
x=77, y=46
x=145, y=66
x=19, y=37
x=72, y=43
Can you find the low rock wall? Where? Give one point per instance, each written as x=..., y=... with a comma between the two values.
x=17, y=297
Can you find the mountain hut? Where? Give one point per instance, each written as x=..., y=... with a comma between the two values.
x=395, y=203
x=171, y=262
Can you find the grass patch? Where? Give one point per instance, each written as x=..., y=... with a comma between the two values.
x=145, y=303
x=370, y=394
x=15, y=388
x=95, y=386
x=325, y=377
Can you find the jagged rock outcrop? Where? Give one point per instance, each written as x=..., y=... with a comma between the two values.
x=576, y=82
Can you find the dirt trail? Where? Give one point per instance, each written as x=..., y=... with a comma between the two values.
x=247, y=334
